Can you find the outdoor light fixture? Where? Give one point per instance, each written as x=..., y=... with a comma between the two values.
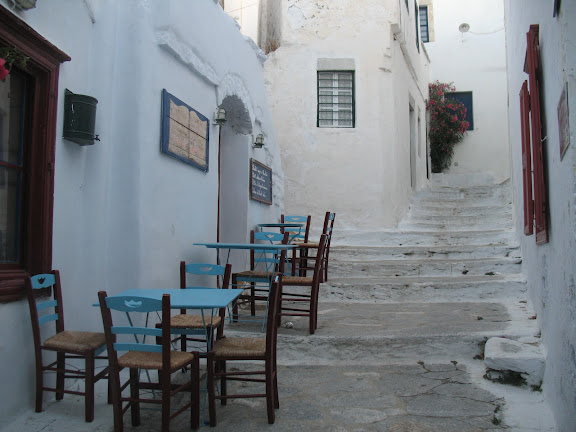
x=219, y=116
x=259, y=141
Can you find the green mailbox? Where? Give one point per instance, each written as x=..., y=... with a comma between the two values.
x=79, y=118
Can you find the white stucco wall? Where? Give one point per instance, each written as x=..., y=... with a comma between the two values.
x=475, y=61
x=125, y=214
x=362, y=173
x=549, y=268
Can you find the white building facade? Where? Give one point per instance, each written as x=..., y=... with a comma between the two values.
x=549, y=260
x=121, y=213
x=347, y=84
x=468, y=48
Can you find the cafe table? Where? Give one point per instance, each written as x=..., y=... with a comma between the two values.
x=195, y=298
x=273, y=248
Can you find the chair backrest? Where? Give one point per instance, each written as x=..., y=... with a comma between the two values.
x=45, y=302
x=302, y=236
x=329, y=226
x=132, y=337
x=221, y=272
x=265, y=257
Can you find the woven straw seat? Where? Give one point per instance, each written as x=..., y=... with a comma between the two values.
x=297, y=280
x=75, y=341
x=183, y=321
x=152, y=360
x=240, y=347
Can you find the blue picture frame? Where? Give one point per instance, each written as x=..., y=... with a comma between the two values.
x=185, y=132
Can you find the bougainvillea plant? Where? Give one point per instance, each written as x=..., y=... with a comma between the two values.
x=447, y=124
x=9, y=57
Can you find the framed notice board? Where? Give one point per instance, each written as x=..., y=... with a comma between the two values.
x=260, y=182
x=184, y=132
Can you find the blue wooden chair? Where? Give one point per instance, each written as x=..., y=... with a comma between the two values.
x=300, y=235
x=198, y=328
x=140, y=355
x=242, y=350
x=263, y=264
x=303, y=302
x=45, y=301
x=307, y=261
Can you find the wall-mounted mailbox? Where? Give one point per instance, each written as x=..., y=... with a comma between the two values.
x=79, y=118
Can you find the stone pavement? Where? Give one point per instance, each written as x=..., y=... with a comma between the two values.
x=414, y=397
x=403, y=321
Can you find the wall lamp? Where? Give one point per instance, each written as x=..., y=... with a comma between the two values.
x=219, y=116
x=258, y=141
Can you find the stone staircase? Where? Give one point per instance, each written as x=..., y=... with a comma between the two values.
x=435, y=289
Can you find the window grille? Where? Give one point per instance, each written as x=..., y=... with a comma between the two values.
x=336, y=99
x=424, y=31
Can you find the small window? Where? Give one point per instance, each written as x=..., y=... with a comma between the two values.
x=424, y=31
x=336, y=99
x=417, y=26
x=466, y=99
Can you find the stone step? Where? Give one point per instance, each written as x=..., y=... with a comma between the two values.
x=478, y=193
x=451, y=223
x=430, y=289
x=423, y=238
x=375, y=253
x=472, y=210
x=425, y=268
x=361, y=333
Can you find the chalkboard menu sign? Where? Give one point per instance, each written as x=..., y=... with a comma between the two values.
x=260, y=182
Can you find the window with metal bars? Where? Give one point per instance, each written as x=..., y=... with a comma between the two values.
x=424, y=31
x=336, y=99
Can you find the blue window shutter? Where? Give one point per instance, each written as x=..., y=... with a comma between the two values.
x=466, y=99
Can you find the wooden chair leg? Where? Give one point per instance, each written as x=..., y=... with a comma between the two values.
x=235, y=305
x=211, y=391
x=134, y=394
x=60, y=365
x=223, y=382
x=195, y=393
x=114, y=383
x=165, y=379
x=39, y=383
x=270, y=403
x=89, y=388
x=252, y=299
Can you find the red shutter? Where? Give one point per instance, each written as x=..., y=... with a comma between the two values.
x=540, y=205
x=526, y=159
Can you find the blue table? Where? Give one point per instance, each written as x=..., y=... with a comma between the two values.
x=189, y=298
x=198, y=298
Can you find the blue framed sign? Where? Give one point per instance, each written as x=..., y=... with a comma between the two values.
x=184, y=132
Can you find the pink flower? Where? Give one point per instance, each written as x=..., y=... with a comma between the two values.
x=3, y=71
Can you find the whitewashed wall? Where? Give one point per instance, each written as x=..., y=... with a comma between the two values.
x=550, y=268
x=363, y=173
x=124, y=213
x=475, y=61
